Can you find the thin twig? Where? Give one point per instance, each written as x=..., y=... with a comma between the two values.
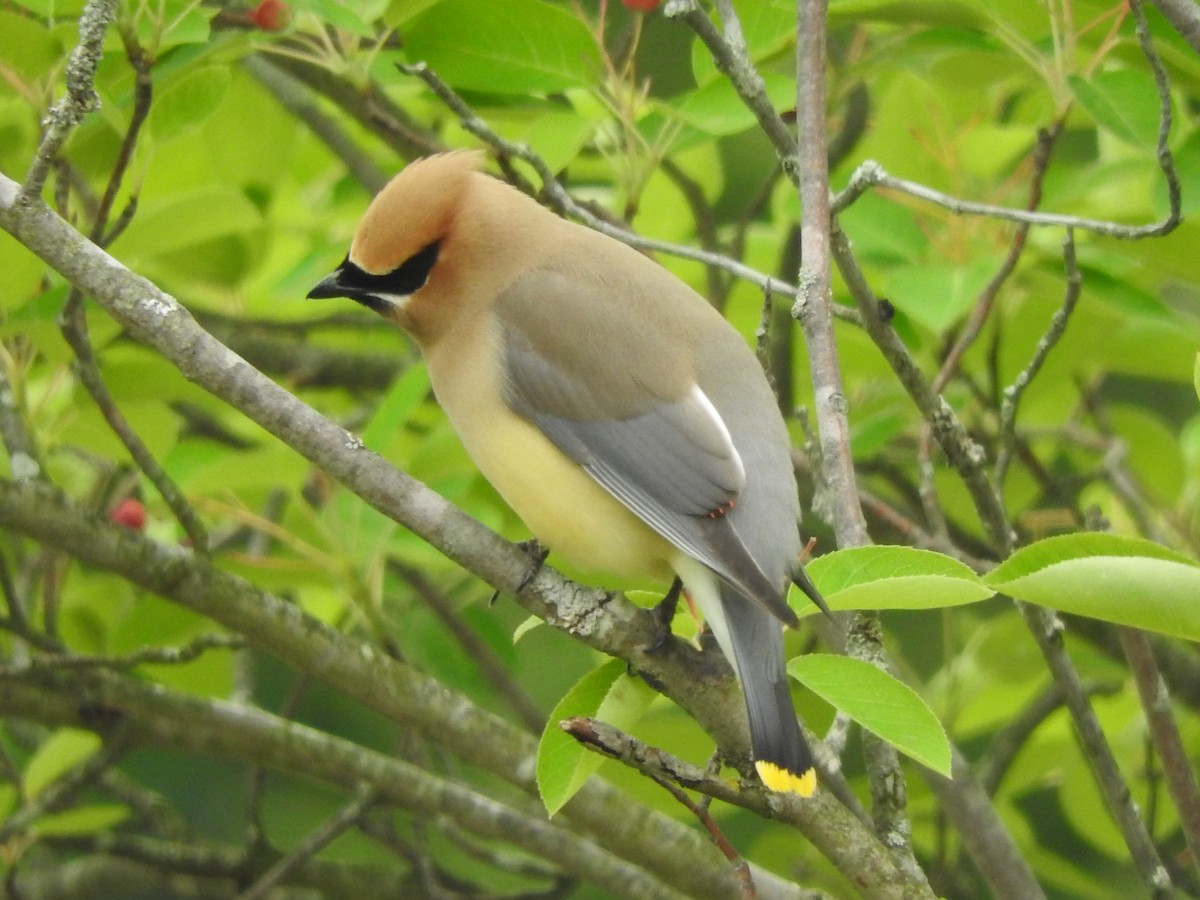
x=494, y=856
x=24, y=458
x=74, y=328
x=1162, y=146
x=1012, y=738
x=149, y=807
x=987, y=297
x=962, y=451
x=1048, y=341
x=307, y=849
x=14, y=603
x=985, y=837
x=366, y=104
x=730, y=54
x=871, y=174
x=158, y=656
x=649, y=760
x=931, y=504
x=1047, y=629
x=73, y=321
x=59, y=793
x=296, y=99
x=80, y=98
x=1164, y=732
x=480, y=653
x=701, y=810
x=717, y=289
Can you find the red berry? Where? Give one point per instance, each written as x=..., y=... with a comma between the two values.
x=271, y=15
x=130, y=513
x=642, y=5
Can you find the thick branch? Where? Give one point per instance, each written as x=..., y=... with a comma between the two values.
x=356, y=669
x=987, y=841
x=157, y=718
x=1184, y=17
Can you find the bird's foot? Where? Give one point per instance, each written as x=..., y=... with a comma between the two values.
x=664, y=611
x=537, y=555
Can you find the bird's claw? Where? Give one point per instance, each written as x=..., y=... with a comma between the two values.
x=664, y=611
x=537, y=554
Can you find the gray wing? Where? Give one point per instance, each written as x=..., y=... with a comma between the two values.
x=650, y=438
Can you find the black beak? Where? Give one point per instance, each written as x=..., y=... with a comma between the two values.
x=335, y=285
x=385, y=292
x=351, y=282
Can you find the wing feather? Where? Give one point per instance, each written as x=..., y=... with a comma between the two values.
x=669, y=459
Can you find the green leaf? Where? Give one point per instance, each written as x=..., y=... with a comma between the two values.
x=515, y=47
x=1123, y=293
x=1196, y=376
x=606, y=693
x=193, y=26
x=186, y=103
x=873, y=433
x=886, y=577
x=1128, y=581
x=936, y=294
x=717, y=110
x=186, y=221
x=399, y=12
x=878, y=702
x=908, y=13
x=337, y=14
x=884, y=231
x=28, y=49
x=396, y=409
x=1123, y=102
x=8, y=800
x=62, y=751
x=81, y=820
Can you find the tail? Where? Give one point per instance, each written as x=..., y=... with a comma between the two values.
x=781, y=755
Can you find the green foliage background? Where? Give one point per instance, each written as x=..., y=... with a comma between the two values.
x=241, y=206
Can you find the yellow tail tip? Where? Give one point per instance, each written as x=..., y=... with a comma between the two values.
x=777, y=778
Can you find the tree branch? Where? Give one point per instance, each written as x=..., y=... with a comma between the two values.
x=1184, y=18
x=80, y=98
x=1054, y=333
x=158, y=718
x=1164, y=731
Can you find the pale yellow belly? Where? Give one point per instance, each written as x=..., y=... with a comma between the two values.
x=566, y=510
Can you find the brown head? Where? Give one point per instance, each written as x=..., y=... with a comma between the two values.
x=414, y=236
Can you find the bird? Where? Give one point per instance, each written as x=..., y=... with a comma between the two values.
x=624, y=420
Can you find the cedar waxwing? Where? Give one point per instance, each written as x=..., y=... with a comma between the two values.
x=623, y=419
